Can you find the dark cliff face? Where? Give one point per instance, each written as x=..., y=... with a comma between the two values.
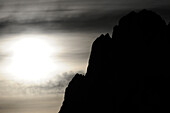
x=126, y=73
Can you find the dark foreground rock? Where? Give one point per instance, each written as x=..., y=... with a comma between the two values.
x=128, y=73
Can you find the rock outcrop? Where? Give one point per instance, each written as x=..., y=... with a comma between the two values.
x=126, y=73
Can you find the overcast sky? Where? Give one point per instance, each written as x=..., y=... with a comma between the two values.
x=69, y=15
x=70, y=24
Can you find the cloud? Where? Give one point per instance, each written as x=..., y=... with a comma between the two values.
x=54, y=86
x=70, y=15
x=91, y=22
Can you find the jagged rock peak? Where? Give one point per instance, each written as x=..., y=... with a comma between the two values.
x=139, y=25
x=99, y=51
x=142, y=17
x=76, y=78
x=101, y=44
x=103, y=37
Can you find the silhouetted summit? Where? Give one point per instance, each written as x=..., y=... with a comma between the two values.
x=126, y=73
x=144, y=25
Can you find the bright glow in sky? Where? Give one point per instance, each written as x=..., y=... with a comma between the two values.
x=32, y=59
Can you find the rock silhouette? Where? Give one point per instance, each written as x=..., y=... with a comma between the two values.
x=126, y=73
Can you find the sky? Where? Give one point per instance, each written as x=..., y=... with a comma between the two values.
x=44, y=43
